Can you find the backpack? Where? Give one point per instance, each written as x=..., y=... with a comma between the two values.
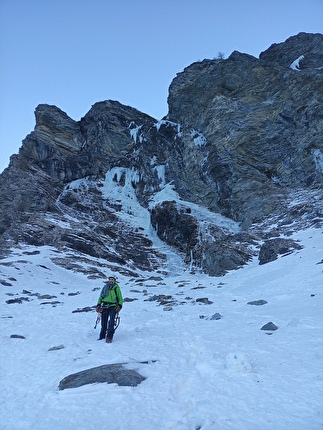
x=106, y=289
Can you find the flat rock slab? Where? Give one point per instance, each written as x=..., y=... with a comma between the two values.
x=108, y=373
x=257, y=302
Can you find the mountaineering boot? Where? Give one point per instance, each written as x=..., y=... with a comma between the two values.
x=109, y=340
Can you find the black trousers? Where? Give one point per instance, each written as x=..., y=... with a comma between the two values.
x=107, y=321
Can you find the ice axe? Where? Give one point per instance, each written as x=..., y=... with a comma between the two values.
x=98, y=318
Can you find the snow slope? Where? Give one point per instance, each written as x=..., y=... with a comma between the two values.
x=224, y=374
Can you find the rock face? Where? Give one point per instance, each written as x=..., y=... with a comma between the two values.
x=270, y=250
x=241, y=145
x=262, y=129
x=303, y=50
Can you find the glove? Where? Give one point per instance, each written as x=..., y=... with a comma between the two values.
x=118, y=308
x=98, y=308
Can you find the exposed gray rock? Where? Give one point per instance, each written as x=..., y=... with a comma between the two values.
x=270, y=326
x=216, y=316
x=17, y=336
x=46, y=296
x=17, y=300
x=162, y=299
x=109, y=373
x=86, y=309
x=270, y=250
x=257, y=302
x=205, y=245
x=308, y=46
x=204, y=300
x=56, y=348
x=175, y=225
x=5, y=283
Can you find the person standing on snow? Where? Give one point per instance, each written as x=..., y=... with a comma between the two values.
x=109, y=303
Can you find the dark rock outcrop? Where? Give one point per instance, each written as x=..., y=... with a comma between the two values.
x=270, y=326
x=207, y=244
x=305, y=47
x=270, y=250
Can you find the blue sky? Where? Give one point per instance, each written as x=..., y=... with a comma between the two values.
x=77, y=52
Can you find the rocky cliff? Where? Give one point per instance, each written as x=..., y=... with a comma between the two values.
x=240, y=149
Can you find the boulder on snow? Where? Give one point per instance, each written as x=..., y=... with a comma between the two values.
x=257, y=302
x=204, y=300
x=56, y=348
x=269, y=327
x=216, y=316
x=17, y=336
x=109, y=373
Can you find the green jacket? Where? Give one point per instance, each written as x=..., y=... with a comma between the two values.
x=111, y=295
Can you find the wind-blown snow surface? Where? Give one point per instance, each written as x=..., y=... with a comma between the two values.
x=208, y=374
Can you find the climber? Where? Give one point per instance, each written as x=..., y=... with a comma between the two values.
x=109, y=303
